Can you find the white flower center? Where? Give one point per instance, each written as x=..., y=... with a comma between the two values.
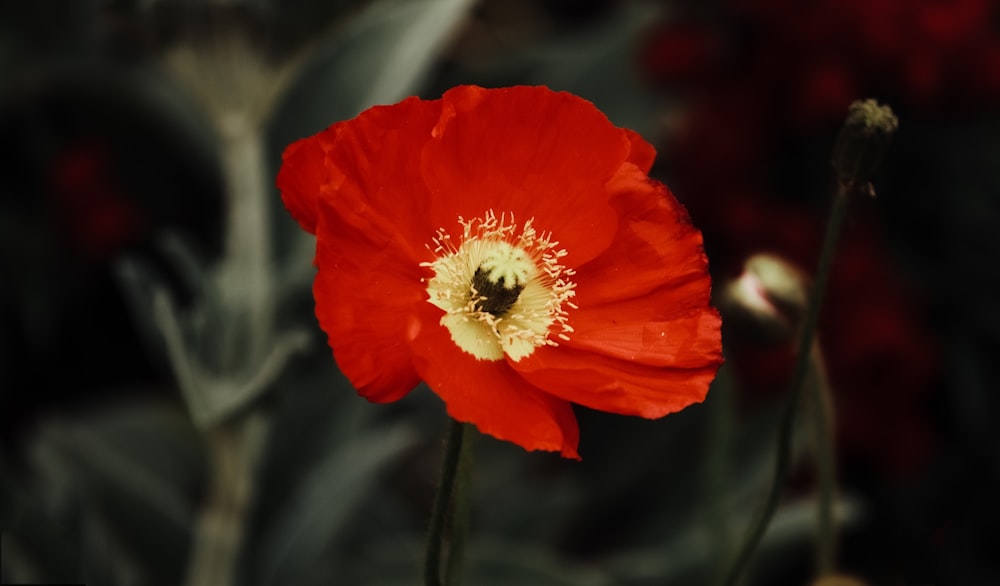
x=502, y=290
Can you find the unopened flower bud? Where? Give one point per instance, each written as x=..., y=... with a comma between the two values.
x=767, y=301
x=863, y=140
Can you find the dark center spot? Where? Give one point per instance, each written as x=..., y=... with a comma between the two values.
x=494, y=298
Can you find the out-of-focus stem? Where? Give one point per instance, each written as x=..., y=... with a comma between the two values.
x=857, y=153
x=245, y=279
x=234, y=449
x=246, y=272
x=786, y=431
x=231, y=353
x=822, y=400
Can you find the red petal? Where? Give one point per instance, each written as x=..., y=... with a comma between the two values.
x=371, y=236
x=608, y=384
x=367, y=294
x=305, y=175
x=656, y=245
x=530, y=151
x=669, y=325
x=367, y=166
x=490, y=395
x=379, y=153
x=634, y=331
x=646, y=341
x=642, y=154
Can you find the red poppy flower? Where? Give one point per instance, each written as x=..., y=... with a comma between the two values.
x=508, y=248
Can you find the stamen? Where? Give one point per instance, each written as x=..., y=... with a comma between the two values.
x=502, y=292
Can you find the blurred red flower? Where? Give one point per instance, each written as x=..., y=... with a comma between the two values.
x=98, y=217
x=819, y=56
x=508, y=248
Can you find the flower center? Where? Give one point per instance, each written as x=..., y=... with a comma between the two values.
x=498, y=282
x=496, y=298
x=502, y=289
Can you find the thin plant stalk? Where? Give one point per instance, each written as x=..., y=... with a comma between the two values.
x=234, y=451
x=460, y=509
x=857, y=153
x=443, y=502
x=822, y=403
x=786, y=428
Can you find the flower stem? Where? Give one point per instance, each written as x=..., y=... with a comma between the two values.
x=234, y=448
x=786, y=430
x=453, y=483
x=460, y=509
x=825, y=469
x=856, y=155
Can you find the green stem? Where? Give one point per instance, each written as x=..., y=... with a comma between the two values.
x=841, y=202
x=825, y=468
x=234, y=450
x=460, y=510
x=439, y=512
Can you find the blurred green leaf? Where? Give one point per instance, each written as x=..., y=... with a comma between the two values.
x=490, y=561
x=596, y=62
x=123, y=477
x=380, y=56
x=498, y=563
x=320, y=510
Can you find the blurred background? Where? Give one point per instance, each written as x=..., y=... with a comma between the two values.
x=172, y=414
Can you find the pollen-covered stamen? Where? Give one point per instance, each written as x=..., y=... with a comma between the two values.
x=503, y=289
